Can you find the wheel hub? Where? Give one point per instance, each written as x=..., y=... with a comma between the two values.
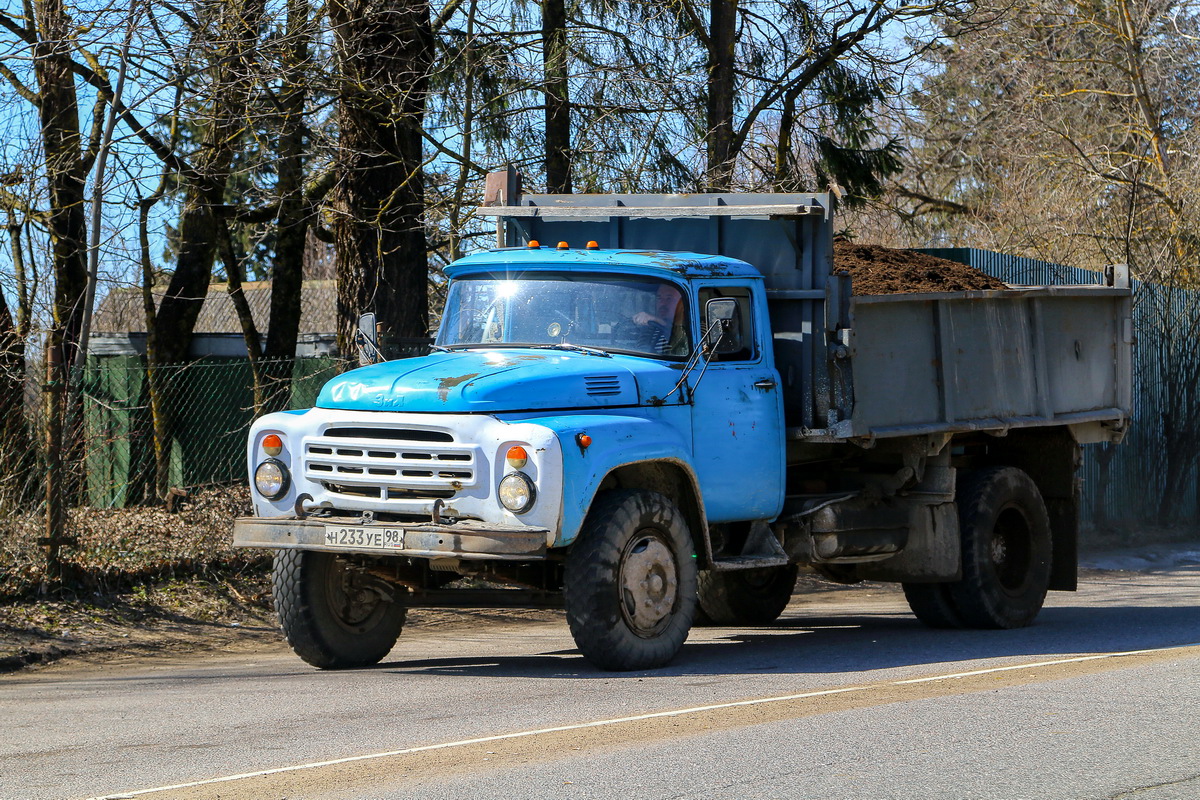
x=352, y=604
x=1011, y=550
x=999, y=550
x=649, y=584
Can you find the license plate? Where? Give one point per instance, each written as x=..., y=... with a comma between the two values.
x=373, y=538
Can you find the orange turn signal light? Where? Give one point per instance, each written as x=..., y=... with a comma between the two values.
x=517, y=457
x=272, y=445
x=583, y=440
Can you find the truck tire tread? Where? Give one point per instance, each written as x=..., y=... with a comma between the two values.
x=984, y=598
x=592, y=586
x=745, y=597
x=302, y=606
x=933, y=605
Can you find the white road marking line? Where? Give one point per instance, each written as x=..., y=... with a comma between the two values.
x=1036, y=664
x=638, y=718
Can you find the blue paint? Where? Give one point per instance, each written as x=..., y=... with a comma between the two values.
x=492, y=381
x=623, y=437
x=651, y=263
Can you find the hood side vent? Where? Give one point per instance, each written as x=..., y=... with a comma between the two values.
x=602, y=385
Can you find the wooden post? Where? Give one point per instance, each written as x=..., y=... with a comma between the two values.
x=56, y=516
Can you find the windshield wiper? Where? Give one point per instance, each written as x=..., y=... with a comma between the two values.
x=573, y=348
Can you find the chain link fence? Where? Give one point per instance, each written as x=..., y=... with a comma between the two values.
x=205, y=409
x=155, y=469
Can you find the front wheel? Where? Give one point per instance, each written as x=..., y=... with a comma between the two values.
x=630, y=582
x=333, y=615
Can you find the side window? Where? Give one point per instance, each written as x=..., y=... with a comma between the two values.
x=743, y=320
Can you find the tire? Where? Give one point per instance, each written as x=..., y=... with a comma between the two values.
x=933, y=605
x=745, y=597
x=330, y=618
x=1006, y=550
x=630, y=581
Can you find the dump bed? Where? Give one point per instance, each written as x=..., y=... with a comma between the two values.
x=882, y=365
x=954, y=361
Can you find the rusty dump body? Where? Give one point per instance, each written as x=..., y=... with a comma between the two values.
x=877, y=366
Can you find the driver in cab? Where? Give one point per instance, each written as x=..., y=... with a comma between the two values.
x=665, y=329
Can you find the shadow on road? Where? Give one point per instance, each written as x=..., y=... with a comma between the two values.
x=850, y=643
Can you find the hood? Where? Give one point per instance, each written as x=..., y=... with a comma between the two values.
x=491, y=381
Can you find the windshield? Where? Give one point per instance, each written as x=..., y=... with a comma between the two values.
x=631, y=315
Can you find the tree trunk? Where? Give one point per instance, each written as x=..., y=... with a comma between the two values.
x=558, y=104
x=295, y=214
x=66, y=174
x=384, y=51
x=156, y=383
x=16, y=445
x=721, y=76
x=785, y=178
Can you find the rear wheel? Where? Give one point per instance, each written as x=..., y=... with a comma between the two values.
x=1006, y=547
x=630, y=582
x=932, y=604
x=333, y=615
x=746, y=597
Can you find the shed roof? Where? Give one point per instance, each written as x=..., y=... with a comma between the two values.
x=121, y=309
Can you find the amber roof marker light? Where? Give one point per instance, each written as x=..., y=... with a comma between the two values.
x=593, y=246
x=534, y=244
x=564, y=246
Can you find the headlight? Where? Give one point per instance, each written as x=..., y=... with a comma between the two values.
x=517, y=492
x=271, y=479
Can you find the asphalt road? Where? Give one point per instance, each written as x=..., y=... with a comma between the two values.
x=847, y=697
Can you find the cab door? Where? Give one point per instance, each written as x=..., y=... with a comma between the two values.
x=737, y=414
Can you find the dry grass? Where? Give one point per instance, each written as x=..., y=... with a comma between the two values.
x=119, y=548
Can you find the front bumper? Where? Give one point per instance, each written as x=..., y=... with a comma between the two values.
x=467, y=539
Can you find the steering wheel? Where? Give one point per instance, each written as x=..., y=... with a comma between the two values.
x=630, y=334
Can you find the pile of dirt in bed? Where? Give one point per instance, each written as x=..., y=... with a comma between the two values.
x=881, y=270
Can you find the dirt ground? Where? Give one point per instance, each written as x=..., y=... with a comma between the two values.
x=882, y=270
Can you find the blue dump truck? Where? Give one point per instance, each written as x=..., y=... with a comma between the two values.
x=660, y=414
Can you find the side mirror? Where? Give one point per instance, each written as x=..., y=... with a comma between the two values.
x=366, y=341
x=722, y=326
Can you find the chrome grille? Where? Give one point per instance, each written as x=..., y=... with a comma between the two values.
x=389, y=463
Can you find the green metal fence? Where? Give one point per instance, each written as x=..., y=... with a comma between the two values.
x=209, y=405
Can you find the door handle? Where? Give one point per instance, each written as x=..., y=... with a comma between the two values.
x=765, y=383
